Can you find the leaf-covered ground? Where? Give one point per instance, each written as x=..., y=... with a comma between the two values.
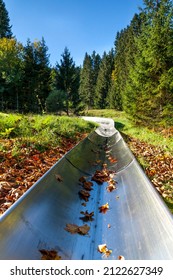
x=29, y=146
x=19, y=172
x=158, y=166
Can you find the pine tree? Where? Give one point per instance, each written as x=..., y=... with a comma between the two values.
x=68, y=78
x=114, y=99
x=43, y=72
x=88, y=78
x=150, y=79
x=125, y=52
x=36, y=76
x=5, y=28
x=86, y=89
x=96, y=60
x=29, y=79
x=104, y=79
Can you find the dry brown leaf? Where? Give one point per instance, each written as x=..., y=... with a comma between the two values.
x=111, y=185
x=49, y=255
x=110, y=188
x=121, y=258
x=84, y=195
x=84, y=204
x=103, y=209
x=101, y=176
x=72, y=228
x=87, y=216
x=112, y=159
x=103, y=249
x=83, y=229
x=88, y=185
x=82, y=179
x=104, y=175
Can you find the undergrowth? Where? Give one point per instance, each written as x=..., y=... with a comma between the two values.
x=42, y=131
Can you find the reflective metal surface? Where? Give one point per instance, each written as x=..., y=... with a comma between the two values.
x=136, y=226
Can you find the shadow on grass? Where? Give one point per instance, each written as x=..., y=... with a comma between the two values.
x=119, y=125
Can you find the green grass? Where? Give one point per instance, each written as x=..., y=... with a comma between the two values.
x=43, y=130
x=169, y=204
x=124, y=124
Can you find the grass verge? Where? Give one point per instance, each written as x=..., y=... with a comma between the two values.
x=42, y=131
x=124, y=124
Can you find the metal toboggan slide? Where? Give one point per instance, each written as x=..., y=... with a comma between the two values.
x=96, y=196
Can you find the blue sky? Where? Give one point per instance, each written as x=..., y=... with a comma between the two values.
x=81, y=25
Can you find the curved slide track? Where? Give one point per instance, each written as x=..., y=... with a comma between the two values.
x=94, y=203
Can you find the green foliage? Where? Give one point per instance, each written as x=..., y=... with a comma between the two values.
x=125, y=51
x=68, y=78
x=55, y=102
x=88, y=79
x=114, y=98
x=148, y=93
x=137, y=76
x=125, y=125
x=5, y=28
x=10, y=73
x=104, y=79
x=86, y=89
x=44, y=130
x=36, y=77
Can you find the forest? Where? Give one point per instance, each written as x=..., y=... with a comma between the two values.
x=135, y=76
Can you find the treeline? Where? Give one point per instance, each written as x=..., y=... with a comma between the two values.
x=136, y=75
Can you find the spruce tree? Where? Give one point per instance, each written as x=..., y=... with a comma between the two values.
x=68, y=78
x=36, y=76
x=104, y=79
x=150, y=78
x=29, y=79
x=88, y=78
x=125, y=52
x=5, y=28
x=86, y=89
x=96, y=60
x=43, y=72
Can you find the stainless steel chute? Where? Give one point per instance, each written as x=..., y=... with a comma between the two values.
x=140, y=225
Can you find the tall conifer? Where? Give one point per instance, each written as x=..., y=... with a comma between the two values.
x=150, y=78
x=5, y=28
x=86, y=89
x=68, y=78
x=104, y=79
